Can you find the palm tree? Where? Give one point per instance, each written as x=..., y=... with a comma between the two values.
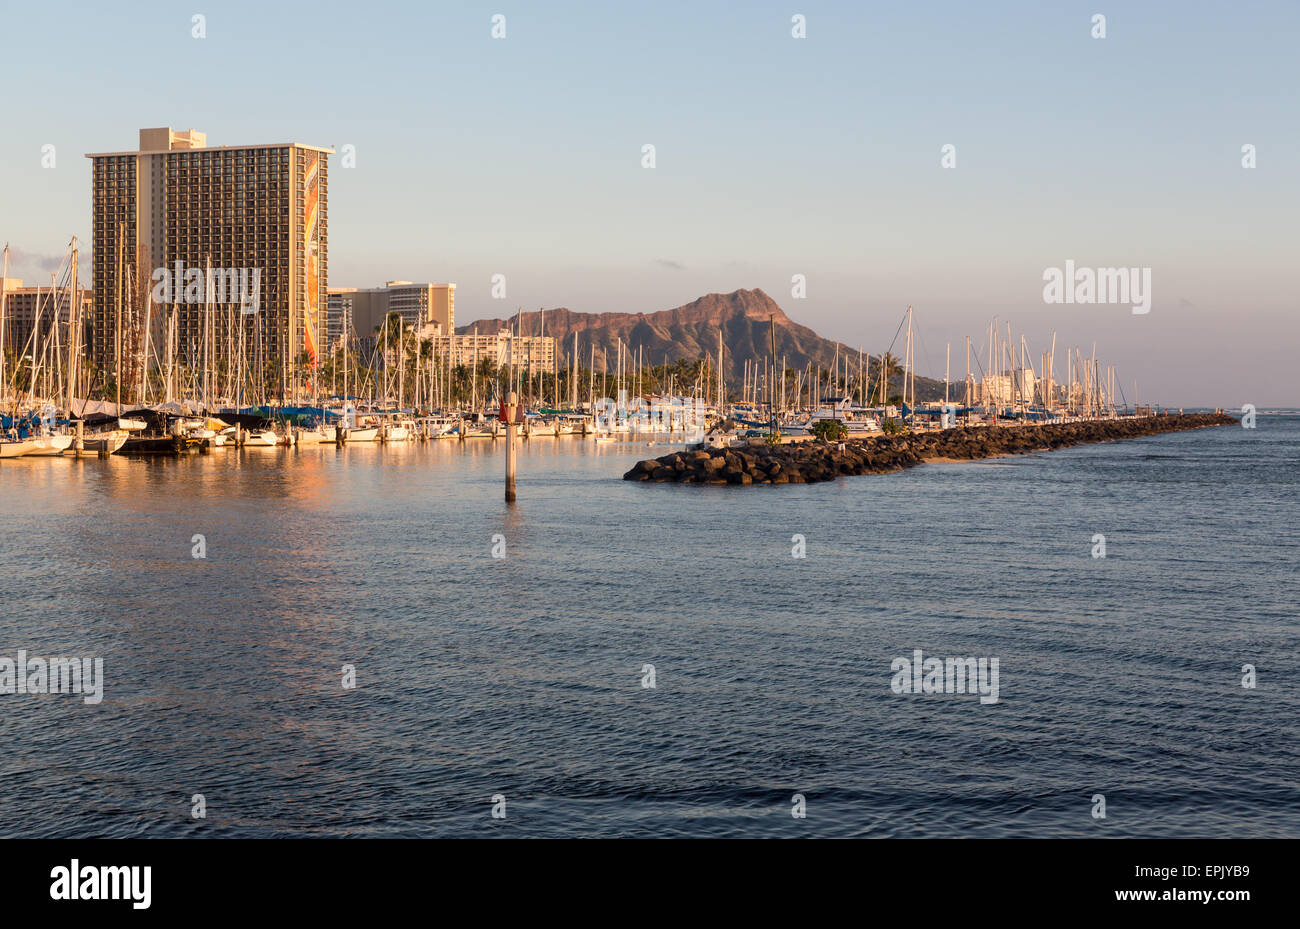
x=461, y=382
x=486, y=369
x=485, y=372
x=391, y=330
x=892, y=369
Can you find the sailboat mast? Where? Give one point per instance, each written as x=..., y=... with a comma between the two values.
x=74, y=327
x=771, y=377
x=719, y=378
x=4, y=294
x=118, y=328
x=968, y=385
x=144, y=347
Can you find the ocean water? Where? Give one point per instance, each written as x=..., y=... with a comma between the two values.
x=522, y=676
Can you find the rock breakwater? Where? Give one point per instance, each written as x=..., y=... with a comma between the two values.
x=810, y=462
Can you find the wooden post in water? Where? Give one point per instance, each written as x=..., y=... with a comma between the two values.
x=79, y=444
x=511, y=405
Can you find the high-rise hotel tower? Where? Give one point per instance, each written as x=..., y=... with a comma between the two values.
x=178, y=204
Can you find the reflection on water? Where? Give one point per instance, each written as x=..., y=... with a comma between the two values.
x=521, y=675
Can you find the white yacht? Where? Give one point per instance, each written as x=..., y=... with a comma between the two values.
x=107, y=442
x=15, y=448
x=50, y=445
x=315, y=435
x=439, y=427
x=401, y=429
x=261, y=438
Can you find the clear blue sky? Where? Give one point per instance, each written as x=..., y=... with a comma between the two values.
x=775, y=156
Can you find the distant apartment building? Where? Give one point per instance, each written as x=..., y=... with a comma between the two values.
x=1003, y=390
x=423, y=304
x=28, y=309
x=360, y=311
x=1026, y=384
x=535, y=354
x=338, y=316
x=996, y=390
x=430, y=310
x=234, y=207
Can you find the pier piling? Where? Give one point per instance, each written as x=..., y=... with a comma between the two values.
x=511, y=405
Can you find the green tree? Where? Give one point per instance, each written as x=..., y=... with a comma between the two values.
x=829, y=430
x=893, y=371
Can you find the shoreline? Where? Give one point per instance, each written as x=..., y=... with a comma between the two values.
x=815, y=462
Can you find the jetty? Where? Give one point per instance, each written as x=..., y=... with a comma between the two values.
x=811, y=462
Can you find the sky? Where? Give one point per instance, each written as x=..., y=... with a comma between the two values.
x=774, y=156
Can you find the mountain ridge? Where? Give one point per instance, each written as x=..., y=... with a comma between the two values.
x=746, y=318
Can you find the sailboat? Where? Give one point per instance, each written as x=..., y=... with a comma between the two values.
x=106, y=442
x=439, y=427
x=105, y=433
x=15, y=448
x=50, y=445
x=262, y=438
x=401, y=429
x=46, y=440
x=365, y=431
x=352, y=430
x=316, y=435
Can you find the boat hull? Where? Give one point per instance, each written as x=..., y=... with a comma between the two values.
x=159, y=445
x=322, y=436
x=49, y=446
x=106, y=442
x=15, y=449
x=261, y=438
